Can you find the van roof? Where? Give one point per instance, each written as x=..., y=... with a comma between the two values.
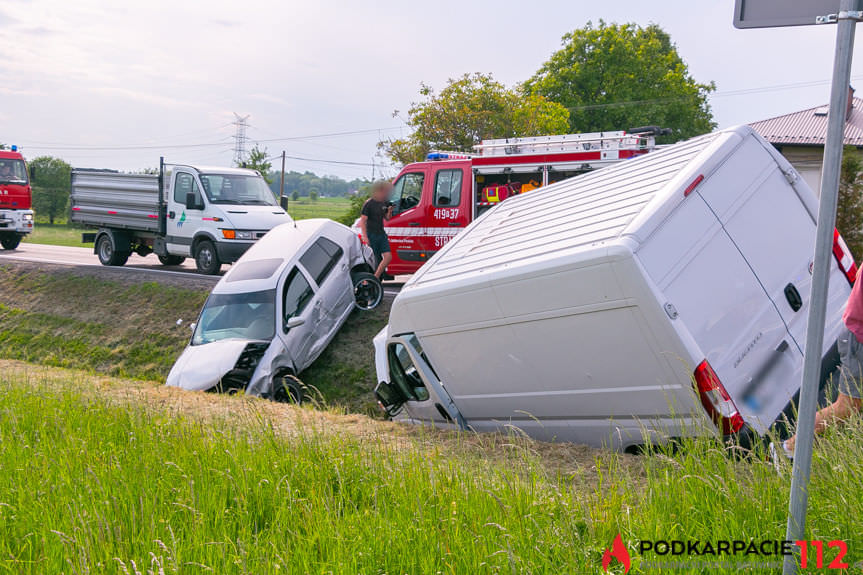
x=272, y=253
x=578, y=214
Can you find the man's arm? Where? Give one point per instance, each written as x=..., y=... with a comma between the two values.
x=363, y=220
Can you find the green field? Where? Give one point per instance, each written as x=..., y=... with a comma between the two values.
x=112, y=476
x=62, y=234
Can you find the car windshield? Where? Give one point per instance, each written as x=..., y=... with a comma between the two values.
x=13, y=172
x=237, y=189
x=250, y=315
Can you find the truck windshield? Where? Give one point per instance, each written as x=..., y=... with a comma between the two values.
x=249, y=315
x=237, y=189
x=13, y=172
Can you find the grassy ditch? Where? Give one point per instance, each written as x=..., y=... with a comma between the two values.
x=122, y=477
x=124, y=327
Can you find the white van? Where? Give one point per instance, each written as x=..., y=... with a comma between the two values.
x=634, y=300
x=277, y=309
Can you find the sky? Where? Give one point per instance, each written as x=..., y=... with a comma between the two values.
x=113, y=84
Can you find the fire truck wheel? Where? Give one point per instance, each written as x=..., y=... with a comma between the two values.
x=368, y=291
x=108, y=256
x=206, y=258
x=171, y=260
x=10, y=241
x=288, y=389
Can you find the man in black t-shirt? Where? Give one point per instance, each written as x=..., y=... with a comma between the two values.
x=377, y=209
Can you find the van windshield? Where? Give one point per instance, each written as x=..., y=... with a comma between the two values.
x=249, y=315
x=237, y=189
x=13, y=172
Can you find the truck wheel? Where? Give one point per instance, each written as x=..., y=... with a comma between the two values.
x=108, y=256
x=10, y=241
x=207, y=259
x=171, y=260
x=288, y=389
x=368, y=291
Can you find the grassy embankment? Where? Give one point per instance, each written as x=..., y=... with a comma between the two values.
x=112, y=476
x=128, y=328
x=62, y=234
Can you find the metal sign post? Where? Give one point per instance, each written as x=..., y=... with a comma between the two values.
x=847, y=18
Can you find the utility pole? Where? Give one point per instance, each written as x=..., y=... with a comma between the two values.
x=240, y=139
x=373, y=169
x=282, y=185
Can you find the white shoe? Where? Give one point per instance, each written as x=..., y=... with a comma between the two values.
x=782, y=458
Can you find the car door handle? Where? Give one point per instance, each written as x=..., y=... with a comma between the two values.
x=171, y=215
x=793, y=297
x=414, y=224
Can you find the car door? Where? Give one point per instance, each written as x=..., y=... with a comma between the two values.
x=325, y=263
x=183, y=221
x=299, y=311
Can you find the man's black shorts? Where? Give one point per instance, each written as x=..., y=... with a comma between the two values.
x=380, y=244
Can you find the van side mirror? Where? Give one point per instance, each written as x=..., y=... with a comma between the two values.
x=390, y=397
x=191, y=201
x=283, y=202
x=295, y=322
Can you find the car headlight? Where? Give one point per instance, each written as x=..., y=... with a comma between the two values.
x=245, y=235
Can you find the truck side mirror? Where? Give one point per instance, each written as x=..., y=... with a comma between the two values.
x=32, y=172
x=191, y=201
x=283, y=202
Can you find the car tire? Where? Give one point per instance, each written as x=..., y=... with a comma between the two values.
x=10, y=241
x=288, y=389
x=207, y=258
x=108, y=256
x=171, y=260
x=368, y=291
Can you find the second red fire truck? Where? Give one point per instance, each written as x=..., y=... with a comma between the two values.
x=434, y=200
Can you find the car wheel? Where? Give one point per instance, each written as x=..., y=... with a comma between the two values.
x=368, y=291
x=288, y=389
x=171, y=260
x=207, y=259
x=10, y=241
x=108, y=256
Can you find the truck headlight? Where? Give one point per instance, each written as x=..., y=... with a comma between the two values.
x=245, y=235
x=28, y=217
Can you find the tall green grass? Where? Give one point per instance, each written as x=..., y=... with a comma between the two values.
x=92, y=484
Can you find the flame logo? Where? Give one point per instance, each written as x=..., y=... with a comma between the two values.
x=619, y=552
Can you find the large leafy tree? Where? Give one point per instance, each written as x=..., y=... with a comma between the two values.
x=469, y=109
x=258, y=160
x=51, y=179
x=620, y=76
x=849, y=217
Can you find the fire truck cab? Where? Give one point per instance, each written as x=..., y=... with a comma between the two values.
x=436, y=199
x=16, y=215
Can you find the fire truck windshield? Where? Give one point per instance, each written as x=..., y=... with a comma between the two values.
x=13, y=172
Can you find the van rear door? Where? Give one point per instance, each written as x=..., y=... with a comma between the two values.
x=771, y=226
x=716, y=299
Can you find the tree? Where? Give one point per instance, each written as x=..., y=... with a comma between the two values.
x=258, y=161
x=313, y=194
x=357, y=201
x=849, y=217
x=295, y=195
x=469, y=109
x=620, y=76
x=50, y=186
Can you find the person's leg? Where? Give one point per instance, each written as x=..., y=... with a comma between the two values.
x=386, y=258
x=844, y=407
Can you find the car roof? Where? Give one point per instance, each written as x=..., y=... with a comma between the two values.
x=280, y=247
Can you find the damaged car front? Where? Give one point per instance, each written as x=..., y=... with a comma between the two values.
x=234, y=348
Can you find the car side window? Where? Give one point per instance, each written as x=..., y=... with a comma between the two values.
x=447, y=189
x=321, y=257
x=297, y=294
x=183, y=184
x=408, y=191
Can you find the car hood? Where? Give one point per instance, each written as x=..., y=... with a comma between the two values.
x=201, y=367
x=255, y=217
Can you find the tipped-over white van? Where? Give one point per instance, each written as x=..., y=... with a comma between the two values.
x=644, y=299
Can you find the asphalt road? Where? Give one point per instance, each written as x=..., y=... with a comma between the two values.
x=82, y=257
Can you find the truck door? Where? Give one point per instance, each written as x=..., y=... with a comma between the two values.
x=407, y=228
x=183, y=220
x=774, y=231
x=451, y=205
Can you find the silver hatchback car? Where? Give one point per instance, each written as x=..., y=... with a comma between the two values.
x=277, y=309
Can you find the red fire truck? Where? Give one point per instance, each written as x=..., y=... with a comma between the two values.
x=436, y=199
x=16, y=217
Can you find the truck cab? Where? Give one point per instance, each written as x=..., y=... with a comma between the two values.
x=16, y=215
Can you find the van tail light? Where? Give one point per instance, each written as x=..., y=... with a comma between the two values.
x=844, y=258
x=716, y=401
